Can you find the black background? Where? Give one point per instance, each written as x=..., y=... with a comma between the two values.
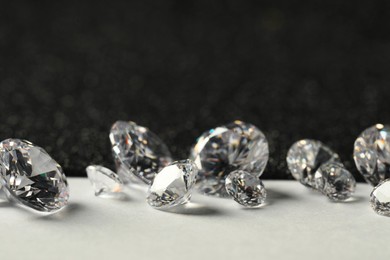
x=296, y=69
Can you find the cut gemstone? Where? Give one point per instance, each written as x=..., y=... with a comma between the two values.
x=236, y=146
x=372, y=154
x=245, y=188
x=139, y=151
x=172, y=186
x=380, y=198
x=305, y=157
x=105, y=182
x=335, y=181
x=30, y=176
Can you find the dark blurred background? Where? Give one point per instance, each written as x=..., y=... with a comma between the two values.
x=296, y=69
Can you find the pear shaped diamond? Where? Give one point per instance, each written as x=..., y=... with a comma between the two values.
x=30, y=176
x=380, y=198
x=105, y=182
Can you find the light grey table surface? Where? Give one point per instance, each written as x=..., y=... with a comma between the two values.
x=296, y=223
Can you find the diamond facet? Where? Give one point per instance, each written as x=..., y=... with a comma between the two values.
x=30, y=176
x=219, y=151
x=335, y=181
x=105, y=182
x=305, y=157
x=372, y=154
x=139, y=151
x=172, y=186
x=245, y=188
x=380, y=198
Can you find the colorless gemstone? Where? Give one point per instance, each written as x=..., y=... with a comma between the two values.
x=305, y=157
x=139, y=151
x=335, y=181
x=372, y=154
x=172, y=186
x=236, y=146
x=380, y=198
x=245, y=188
x=105, y=182
x=30, y=176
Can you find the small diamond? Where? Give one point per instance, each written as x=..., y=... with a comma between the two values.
x=335, y=181
x=105, y=182
x=30, y=176
x=219, y=151
x=172, y=186
x=138, y=150
x=305, y=157
x=380, y=198
x=245, y=188
x=372, y=154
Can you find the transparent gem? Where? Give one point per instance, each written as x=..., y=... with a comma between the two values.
x=372, y=154
x=380, y=198
x=219, y=151
x=105, y=182
x=335, y=181
x=139, y=151
x=245, y=188
x=30, y=176
x=305, y=157
x=172, y=186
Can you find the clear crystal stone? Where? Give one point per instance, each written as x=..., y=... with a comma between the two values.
x=305, y=157
x=30, y=176
x=105, y=182
x=172, y=186
x=245, y=188
x=335, y=181
x=380, y=198
x=219, y=151
x=137, y=151
x=372, y=154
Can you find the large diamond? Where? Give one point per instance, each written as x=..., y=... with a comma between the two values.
x=137, y=151
x=305, y=157
x=372, y=154
x=380, y=198
x=30, y=176
x=219, y=151
x=172, y=185
x=105, y=182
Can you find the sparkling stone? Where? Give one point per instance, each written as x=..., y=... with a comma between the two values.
x=305, y=157
x=236, y=146
x=172, y=186
x=105, y=182
x=372, y=154
x=335, y=181
x=245, y=188
x=30, y=176
x=137, y=151
x=380, y=198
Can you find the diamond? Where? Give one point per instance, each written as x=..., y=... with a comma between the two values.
x=380, y=198
x=245, y=188
x=30, y=176
x=105, y=182
x=139, y=151
x=219, y=151
x=305, y=157
x=335, y=181
x=172, y=186
x=372, y=154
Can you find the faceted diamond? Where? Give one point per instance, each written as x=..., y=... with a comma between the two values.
x=305, y=157
x=380, y=198
x=219, y=151
x=30, y=176
x=335, y=181
x=105, y=182
x=139, y=151
x=172, y=186
x=245, y=188
x=372, y=154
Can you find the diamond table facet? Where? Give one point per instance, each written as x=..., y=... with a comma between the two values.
x=380, y=198
x=106, y=183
